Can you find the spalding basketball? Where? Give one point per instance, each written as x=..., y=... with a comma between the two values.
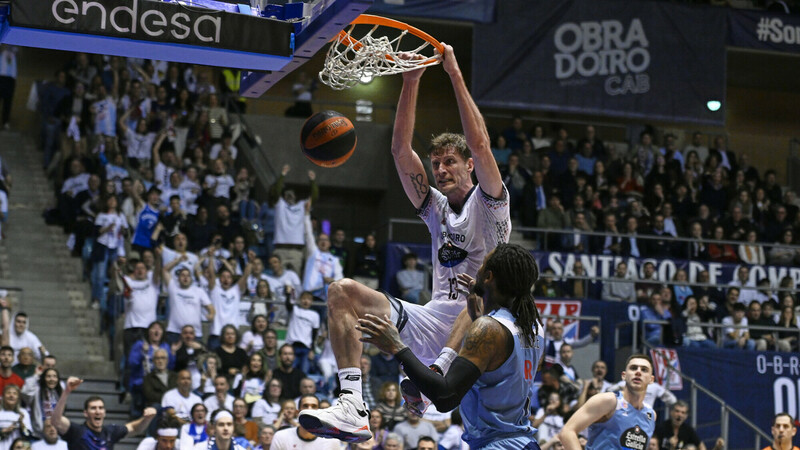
x=328, y=139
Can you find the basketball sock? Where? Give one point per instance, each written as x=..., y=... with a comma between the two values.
x=350, y=380
x=445, y=359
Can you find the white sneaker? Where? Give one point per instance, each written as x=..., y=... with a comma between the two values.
x=347, y=421
x=415, y=401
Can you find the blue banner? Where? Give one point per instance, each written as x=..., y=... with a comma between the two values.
x=481, y=11
x=644, y=59
x=764, y=31
x=757, y=384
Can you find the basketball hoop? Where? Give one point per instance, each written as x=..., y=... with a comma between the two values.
x=375, y=54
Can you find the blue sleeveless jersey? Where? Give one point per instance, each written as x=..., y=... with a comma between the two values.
x=628, y=428
x=497, y=407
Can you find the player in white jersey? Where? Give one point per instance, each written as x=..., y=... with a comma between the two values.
x=465, y=221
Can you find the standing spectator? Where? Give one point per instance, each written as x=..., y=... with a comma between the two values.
x=322, y=268
x=225, y=297
x=303, y=327
x=390, y=405
x=94, y=429
x=289, y=216
x=186, y=302
x=219, y=182
x=181, y=399
x=8, y=80
x=159, y=380
x=413, y=429
x=15, y=421
x=50, y=439
x=411, y=280
x=736, y=334
x=140, y=362
x=676, y=433
x=298, y=438
x=233, y=358
x=367, y=270
x=111, y=231
x=42, y=396
x=141, y=300
x=147, y=220
x=284, y=283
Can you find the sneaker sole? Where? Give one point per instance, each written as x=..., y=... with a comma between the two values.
x=319, y=428
x=413, y=397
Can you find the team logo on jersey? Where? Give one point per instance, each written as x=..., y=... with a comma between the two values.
x=633, y=438
x=649, y=415
x=451, y=256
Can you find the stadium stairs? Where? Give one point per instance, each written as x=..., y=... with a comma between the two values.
x=34, y=257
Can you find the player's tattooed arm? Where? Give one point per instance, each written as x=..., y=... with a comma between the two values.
x=420, y=184
x=486, y=344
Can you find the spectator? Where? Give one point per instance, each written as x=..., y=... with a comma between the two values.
x=501, y=151
x=393, y=441
x=726, y=309
x=111, y=230
x=515, y=177
x=721, y=252
x=220, y=399
x=649, y=282
x=194, y=432
x=252, y=381
x=269, y=406
x=781, y=254
x=265, y=437
x=548, y=419
x=390, y=405
x=426, y=443
x=538, y=139
x=411, y=280
x=187, y=353
x=736, y=335
x=83, y=437
x=565, y=354
x=546, y=287
x=377, y=426
x=515, y=135
x=555, y=339
x=232, y=358
x=180, y=398
x=252, y=339
x=19, y=336
x=42, y=393
x=287, y=373
x=322, y=268
x=676, y=432
x=159, y=380
x=298, y=438
x=15, y=421
x=283, y=282
x=26, y=365
x=413, y=429
x=141, y=300
x=339, y=248
x=289, y=215
x=225, y=297
x=7, y=376
x=243, y=427
x=577, y=242
x=559, y=156
x=787, y=340
x=303, y=327
x=654, y=310
x=619, y=291
x=50, y=439
x=599, y=372
x=553, y=382
x=140, y=361
x=695, y=335
x=747, y=287
x=698, y=250
x=367, y=265
x=370, y=388
x=147, y=221
x=680, y=290
x=186, y=302
x=764, y=339
x=575, y=285
x=287, y=417
x=269, y=354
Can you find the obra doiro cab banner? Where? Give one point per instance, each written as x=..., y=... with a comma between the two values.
x=158, y=21
x=645, y=59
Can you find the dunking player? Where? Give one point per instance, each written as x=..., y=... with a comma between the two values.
x=465, y=222
x=492, y=377
x=616, y=421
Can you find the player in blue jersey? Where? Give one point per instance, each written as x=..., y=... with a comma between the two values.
x=492, y=377
x=616, y=420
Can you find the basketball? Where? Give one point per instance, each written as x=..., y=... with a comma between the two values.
x=328, y=139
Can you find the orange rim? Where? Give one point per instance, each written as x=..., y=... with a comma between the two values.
x=368, y=19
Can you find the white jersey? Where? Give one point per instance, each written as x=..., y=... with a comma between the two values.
x=289, y=227
x=226, y=305
x=460, y=241
x=186, y=307
x=140, y=307
x=168, y=255
x=287, y=278
x=288, y=439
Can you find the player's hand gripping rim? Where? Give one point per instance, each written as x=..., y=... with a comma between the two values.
x=474, y=301
x=381, y=333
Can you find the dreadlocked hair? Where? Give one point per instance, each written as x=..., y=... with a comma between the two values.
x=516, y=272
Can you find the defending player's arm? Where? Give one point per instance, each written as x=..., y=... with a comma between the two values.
x=598, y=408
x=409, y=165
x=475, y=131
x=486, y=347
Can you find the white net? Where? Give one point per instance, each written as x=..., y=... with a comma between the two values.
x=351, y=60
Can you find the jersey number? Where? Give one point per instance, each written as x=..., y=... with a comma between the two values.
x=453, y=295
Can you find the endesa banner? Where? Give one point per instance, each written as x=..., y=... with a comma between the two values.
x=146, y=20
x=643, y=59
